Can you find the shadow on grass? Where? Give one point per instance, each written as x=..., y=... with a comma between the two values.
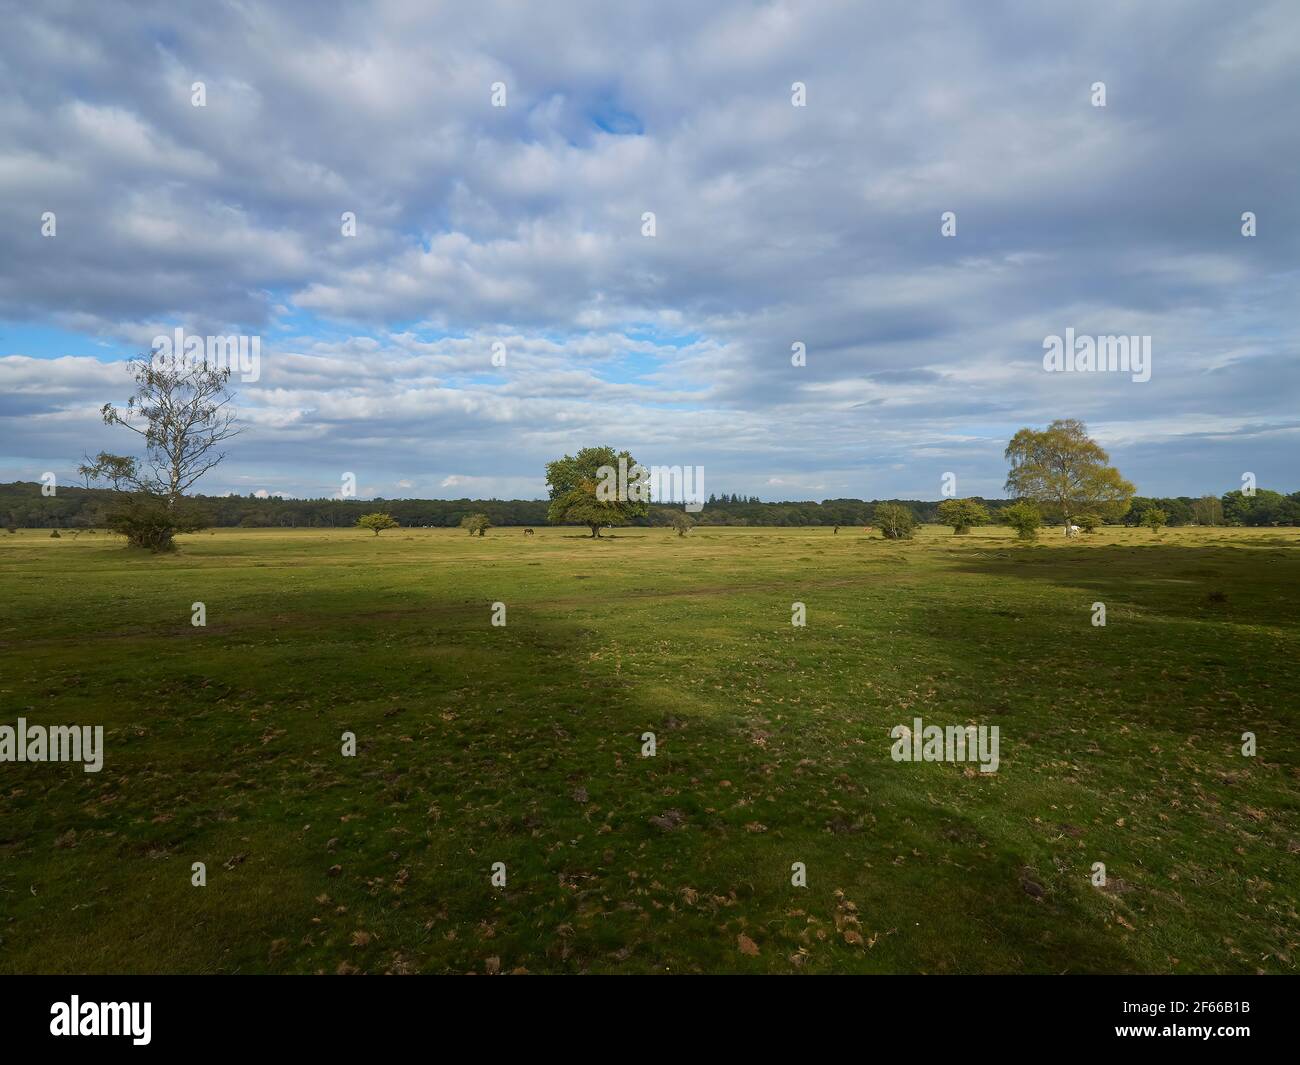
x=1227, y=582
x=475, y=746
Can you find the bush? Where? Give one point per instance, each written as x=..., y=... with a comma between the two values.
x=476, y=523
x=1154, y=519
x=1089, y=523
x=376, y=523
x=896, y=522
x=1024, y=518
x=961, y=514
x=148, y=522
x=54, y=534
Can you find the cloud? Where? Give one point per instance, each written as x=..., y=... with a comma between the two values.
x=521, y=227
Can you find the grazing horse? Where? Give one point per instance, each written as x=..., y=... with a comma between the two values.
x=528, y=532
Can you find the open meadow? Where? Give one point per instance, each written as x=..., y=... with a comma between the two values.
x=522, y=744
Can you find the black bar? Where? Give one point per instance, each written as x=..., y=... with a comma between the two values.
x=222, y=1013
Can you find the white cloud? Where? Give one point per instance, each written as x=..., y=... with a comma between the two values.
x=521, y=225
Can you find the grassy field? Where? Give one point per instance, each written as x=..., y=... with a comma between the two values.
x=522, y=744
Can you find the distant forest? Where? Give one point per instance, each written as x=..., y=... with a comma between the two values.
x=23, y=506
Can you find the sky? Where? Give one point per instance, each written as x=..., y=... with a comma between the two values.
x=523, y=226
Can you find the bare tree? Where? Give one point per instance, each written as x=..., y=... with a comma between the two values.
x=182, y=412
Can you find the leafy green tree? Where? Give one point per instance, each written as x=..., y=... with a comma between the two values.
x=681, y=521
x=896, y=521
x=1024, y=517
x=1208, y=510
x=1178, y=511
x=586, y=489
x=1063, y=469
x=1088, y=521
x=1265, y=507
x=1155, y=519
x=961, y=514
x=475, y=523
x=376, y=523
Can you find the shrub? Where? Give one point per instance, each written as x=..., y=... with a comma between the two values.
x=961, y=514
x=476, y=523
x=148, y=522
x=1154, y=519
x=681, y=521
x=896, y=522
x=54, y=534
x=1024, y=518
x=376, y=523
x=1089, y=523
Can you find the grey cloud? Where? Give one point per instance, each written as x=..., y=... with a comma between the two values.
x=775, y=224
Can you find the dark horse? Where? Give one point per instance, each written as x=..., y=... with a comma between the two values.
x=528, y=532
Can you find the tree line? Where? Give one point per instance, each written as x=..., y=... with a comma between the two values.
x=23, y=506
x=181, y=413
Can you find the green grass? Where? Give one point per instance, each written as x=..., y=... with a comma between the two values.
x=522, y=745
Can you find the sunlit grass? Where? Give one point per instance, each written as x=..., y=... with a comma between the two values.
x=522, y=745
